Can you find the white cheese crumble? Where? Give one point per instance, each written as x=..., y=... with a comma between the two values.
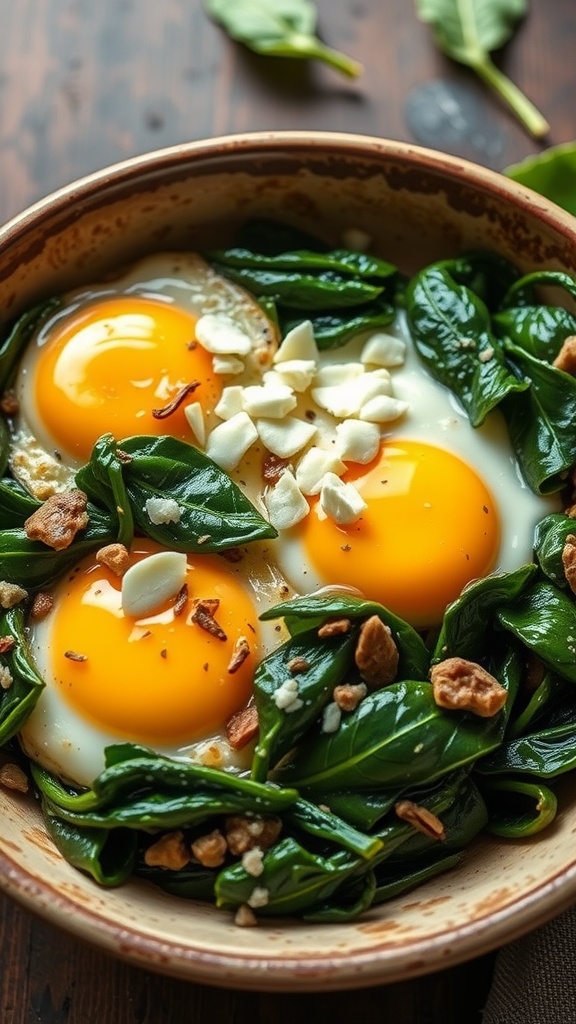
x=285, y=437
x=285, y=503
x=357, y=441
x=384, y=350
x=299, y=343
x=162, y=510
x=147, y=584
x=331, y=717
x=286, y=696
x=219, y=335
x=259, y=897
x=230, y=440
x=195, y=418
x=252, y=861
x=342, y=502
x=6, y=679
x=314, y=465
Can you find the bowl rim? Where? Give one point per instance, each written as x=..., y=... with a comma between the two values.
x=379, y=964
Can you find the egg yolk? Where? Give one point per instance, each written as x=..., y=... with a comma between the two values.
x=159, y=678
x=430, y=526
x=113, y=364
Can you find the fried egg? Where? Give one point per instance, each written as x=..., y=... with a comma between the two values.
x=162, y=677
x=444, y=504
x=115, y=357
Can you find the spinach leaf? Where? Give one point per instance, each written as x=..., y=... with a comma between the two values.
x=273, y=237
x=539, y=330
x=487, y=273
x=285, y=28
x=551, y=173
x=338, y=261
x=546, y=754
x=301, y=613
x=327, y=663
x=33, y=565
x=549, y=540
x=324, y=824
x=523, y=288
x=451, y=329
x=542, y=421
x=398, y=879
x=19, y=335
x=544, y=619
x=333, y=329
x=102, y=479
x=16, y=504
x=396, y=737
x=303, y=291
x=108, y=856
x=468, y=31
x=518, y=809
x=192, y=882
x=18, y=700
x=214, y=514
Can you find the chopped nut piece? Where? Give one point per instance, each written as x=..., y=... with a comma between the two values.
x=242, y=727
x=334, y=628
x=298, y=664
x=176, y=402
x=6, y=678
x=210, y=850
x=566, y=358
x=244, y=833
x=181, y=600
x=421, y=818
x=58, y=519
x=115, y=557
x=12, y=777
x=465, y=686
x=239, y=654
x=348, y=695
x=245, y=917
x=41, y=605
x=203, y=616
x=569, y=561
x=273, y=467
x=7, y=643
x=11, y=594
x=9, y=404
x=376, y=654
x=75, y=656
x=170, y=852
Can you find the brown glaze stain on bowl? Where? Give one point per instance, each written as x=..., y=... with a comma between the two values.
x=417, y=205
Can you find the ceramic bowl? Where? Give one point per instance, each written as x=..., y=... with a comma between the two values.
x=417, y=205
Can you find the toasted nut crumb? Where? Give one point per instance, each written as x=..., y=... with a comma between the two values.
x=570, y=511
x=239, y=654
x=9, y=404
x=465, y=686
x=115, y=557
x=272, y=468
x=421, y=818
x=566, y=358
x=58, y=519
x=75, y=656
x=243, y=833
x=203, y=616
x=11, y=594
x=348, y=695
x=334, y=628
x=12, y=777
x=7, y=643
x=170, y=851
x=176, y=402
x=41, y=605
x=376, y=654
x=181, y=600
x=242, y=727
x=298, y=664
x=245, y=917
x=210, y=850
x=6, y=678
x=569, y=561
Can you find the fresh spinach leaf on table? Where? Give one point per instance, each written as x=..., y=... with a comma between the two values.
x=552, y=173
x=284, y=28
x=468, y=31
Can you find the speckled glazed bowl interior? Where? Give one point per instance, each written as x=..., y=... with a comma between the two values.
x=417, y=205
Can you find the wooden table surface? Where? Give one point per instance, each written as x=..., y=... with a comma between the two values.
x=84, y=84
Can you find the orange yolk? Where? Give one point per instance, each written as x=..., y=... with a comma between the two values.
x=160, y=678
x=111, y=364
x=430, y=527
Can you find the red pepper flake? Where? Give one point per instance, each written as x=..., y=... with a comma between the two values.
x=176, y=402
x=7, y=643
x=75, y=656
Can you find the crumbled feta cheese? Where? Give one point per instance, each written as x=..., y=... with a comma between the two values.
x=342, y=502
x=331, y=717
x=252, y=861
x=314, y=465
x=230, y=440
x=286, y=696
x=195, y=417
x=299, y=343
x=486, y=354
x=230, y=402
x=162, y=510
x=285, y=437
x=6, y=679
x=285, y=503
x=271, y=400
x=227, y=365
x=357, y=441
x=338, y=373
x=384, y=350
x=382, y=409
x=221, y=336
x=297, y=374
x=347, y=399
x=259, y=897
x=147, y=584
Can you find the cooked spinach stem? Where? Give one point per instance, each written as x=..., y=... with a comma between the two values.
x=342, y=846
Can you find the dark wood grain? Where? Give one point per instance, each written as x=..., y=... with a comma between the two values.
x=85, y=84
